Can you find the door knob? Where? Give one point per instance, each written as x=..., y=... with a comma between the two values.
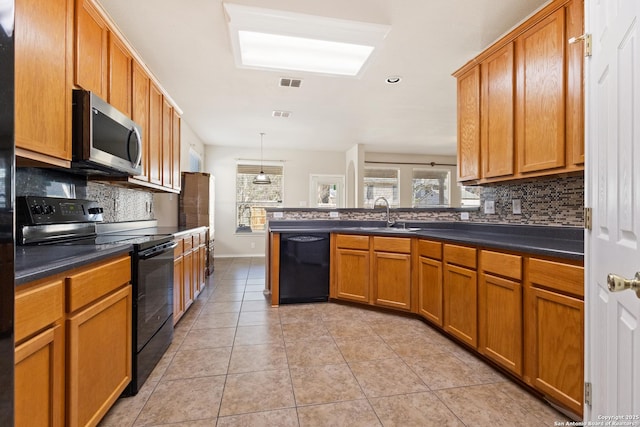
x=617, y=283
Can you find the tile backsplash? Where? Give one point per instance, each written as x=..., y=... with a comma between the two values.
x=119, y=204
x=544, y=201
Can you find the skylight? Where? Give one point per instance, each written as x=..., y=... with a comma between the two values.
x=280, y=40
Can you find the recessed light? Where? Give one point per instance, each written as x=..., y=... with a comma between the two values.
x=393, y=79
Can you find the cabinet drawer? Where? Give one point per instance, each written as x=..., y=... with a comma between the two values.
x=196, y=240
x=392, y=244
x=556, y=275
x=93, y=283
x=38, y=307
x=178, y=249
x=348, y=241
x=460, y=255
x=187, y=243
x=501, y=264
x=429, y=249
x=203, y=237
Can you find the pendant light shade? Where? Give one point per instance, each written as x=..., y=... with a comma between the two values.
x=261, y=178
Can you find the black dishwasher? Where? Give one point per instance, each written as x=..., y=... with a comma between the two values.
x=304, y=267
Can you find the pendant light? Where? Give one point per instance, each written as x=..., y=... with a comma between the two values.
x=262, y=177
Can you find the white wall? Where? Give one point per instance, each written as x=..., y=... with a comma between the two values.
x=355, y=172
x=165, y=205
x=298, y=165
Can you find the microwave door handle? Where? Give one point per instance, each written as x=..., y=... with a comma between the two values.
x=134, y=131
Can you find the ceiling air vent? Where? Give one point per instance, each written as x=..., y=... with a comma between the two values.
x=282, y=114
x=289, y=82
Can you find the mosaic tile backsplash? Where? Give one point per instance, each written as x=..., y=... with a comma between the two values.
x=119, y=204
x=545, y=201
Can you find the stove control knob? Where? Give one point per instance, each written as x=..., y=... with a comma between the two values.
x=48, y=209
x=37, y=209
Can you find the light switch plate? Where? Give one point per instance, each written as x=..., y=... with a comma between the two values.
x=333, y=214
x=464, y=216
x=517, y=206
x=489, y=206
x=278, y=214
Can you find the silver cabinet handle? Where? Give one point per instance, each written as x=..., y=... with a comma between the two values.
x=618, y=283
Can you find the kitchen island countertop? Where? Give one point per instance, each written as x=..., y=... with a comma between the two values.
x=554, y=241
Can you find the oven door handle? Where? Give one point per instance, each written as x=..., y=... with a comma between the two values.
x=158, y=250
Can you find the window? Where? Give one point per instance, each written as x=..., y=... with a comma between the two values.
x=252, y=199
x=470, y=196
x=326, y=191
x=431, y=187
x=379, y=182
x=194, y=161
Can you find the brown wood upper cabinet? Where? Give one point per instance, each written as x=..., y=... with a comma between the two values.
x=140, y=112
x=102, y=61
x=91, y=69
x=120, y=75
x=531, y=100
x=469, y=125
x=42, y=89
x=497, y=138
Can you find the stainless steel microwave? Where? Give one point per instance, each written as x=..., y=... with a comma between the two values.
x=105, y=141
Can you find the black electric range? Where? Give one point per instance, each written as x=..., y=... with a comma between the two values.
x=60, y=221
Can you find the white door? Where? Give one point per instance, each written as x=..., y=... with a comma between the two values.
x=612, y=90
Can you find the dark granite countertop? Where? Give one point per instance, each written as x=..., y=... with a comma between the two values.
x=555, y=241
x=37, y=262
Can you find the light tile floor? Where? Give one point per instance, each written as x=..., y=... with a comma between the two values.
x=236, y=361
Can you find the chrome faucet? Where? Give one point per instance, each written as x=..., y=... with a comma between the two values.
x=386, y=202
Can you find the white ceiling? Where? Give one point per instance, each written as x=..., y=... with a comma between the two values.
x=186, y=45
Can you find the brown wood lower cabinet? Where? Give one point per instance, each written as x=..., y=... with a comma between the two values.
x=523, y=313
x=500, y=309
x=391, y=266
x=461, y=293
x=87, y=352
x=429, y=280
x=554, y=331
x=352, y=274
x=39, y=354
x=189, y=265
x=352, y=277
x=99, y=357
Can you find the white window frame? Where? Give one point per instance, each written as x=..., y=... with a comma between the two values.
x=250, y=230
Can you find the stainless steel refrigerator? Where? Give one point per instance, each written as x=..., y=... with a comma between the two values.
x=7, y=217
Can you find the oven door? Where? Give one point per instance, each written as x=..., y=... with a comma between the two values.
x=154, y=297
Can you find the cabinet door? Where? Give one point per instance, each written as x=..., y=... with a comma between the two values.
x=175, y=152
x=99, y=357
x=167, y=146
x=91, y=49
x=575, y=79
x=42, y=93
x=500, y=319
x=352, y=274
x=202, y=266
x=155, y=135
x=469, y=125
x=392, y=280
x=39, y=380
x=460, y=303
x=497, y=140
x=556, y=346
x=120, y=62
x=430, y=289
x=178, y=289
x=140, y=113
x=188, y=279
x=540, y=118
